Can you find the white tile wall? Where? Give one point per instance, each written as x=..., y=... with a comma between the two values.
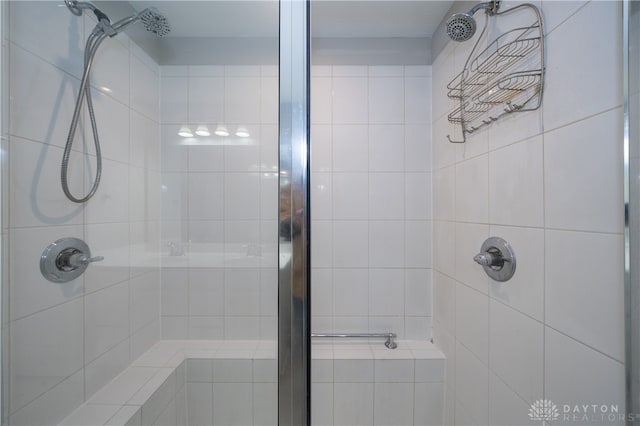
x=370, y=154
x=67, y=340
x=548, y=182
x=220, y=197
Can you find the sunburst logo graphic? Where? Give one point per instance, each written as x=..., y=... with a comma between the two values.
x=543, y=410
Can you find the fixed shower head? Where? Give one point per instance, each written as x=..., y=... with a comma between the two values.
x=155, y=22
x=462, y=26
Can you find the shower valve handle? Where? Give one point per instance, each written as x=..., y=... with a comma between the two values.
x=497, y=259
x=72, y=258
x=489, y=259
x=66, y=259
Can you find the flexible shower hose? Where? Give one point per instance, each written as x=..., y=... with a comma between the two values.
x=94, y=40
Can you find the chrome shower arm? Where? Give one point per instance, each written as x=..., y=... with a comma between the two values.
x=491, y=7
x=125, y=22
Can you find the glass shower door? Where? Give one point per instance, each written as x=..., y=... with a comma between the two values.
x=186, y=215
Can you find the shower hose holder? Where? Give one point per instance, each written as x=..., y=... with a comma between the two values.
x=504, y=78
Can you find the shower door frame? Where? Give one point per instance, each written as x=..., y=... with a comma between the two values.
x=294, y=326
x=631, y=150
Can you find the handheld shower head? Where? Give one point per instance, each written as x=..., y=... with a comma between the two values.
x=155, y=22
x=462, y=26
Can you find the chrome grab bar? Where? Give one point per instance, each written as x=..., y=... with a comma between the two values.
x=390, y=343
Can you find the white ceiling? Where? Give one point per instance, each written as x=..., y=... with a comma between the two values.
x=330, y=18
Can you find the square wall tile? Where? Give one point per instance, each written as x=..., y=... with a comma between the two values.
x=205, y=192
x=64, y=51
x=36, y=170
x=241, y=196
x=322, y=404
x=145, y=88
x=242, y=292
x=173, y=100
x=321, y=196
x=386, y=292
x=444, y=255
x=566, y=362
x=265, y=404
x=232, y=370
x=350, y=100
x=417, y=100
x=25, y=280
x=417, y=193
x=269, y=102
x=516, y=351
x=468, y=241
x=206, y=100
x=524, y=292
x=350, y=148
x=107, y=366
x=200, y=403
x=472, y=386
x=393, y=404
x=472, y=190
x=417, y=147
x=353, y=404
x=472, y=321
x=230, y=402
x=111, y=240
x=597, y=88
x=516, y=184
x=386, y=196
x=242, y=100
x=106, y=320
x=205, y=158
x=506, y=408
x=444, y=194
x=322, y=243
x=350, y=244
x=444, y=304
x=575, y=289
x=351, y=292
x=206, y=292
x=417, y=244
x=350, y=196
x=52, y=406
x=111, y=203
x=353, y=370
x=587, y=148
x=428, y=405
x=386, y=148
x=114, y=126
x=40, y=89
x=386, y=100
x=144, y=304
x=320, y=100
x=57, y=332
x=386, y=244
x=418, y=292
x=321, y=157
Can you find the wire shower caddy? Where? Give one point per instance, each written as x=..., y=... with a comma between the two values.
x=506, y=77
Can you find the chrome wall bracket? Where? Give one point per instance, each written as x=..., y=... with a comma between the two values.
x=497, y=258
x=66, y=259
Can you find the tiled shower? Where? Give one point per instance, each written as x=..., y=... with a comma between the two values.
x=549, y=182
x=188, y=227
